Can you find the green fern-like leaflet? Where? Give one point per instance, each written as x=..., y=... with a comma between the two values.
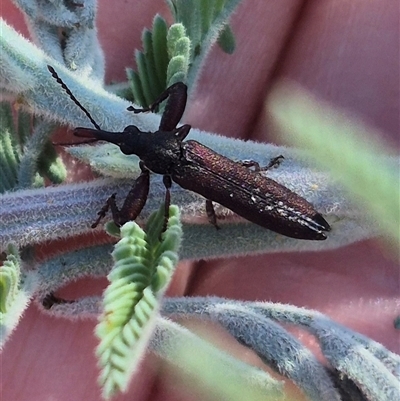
x=144, y=265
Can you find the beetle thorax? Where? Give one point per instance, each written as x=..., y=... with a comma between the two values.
x=159, y=151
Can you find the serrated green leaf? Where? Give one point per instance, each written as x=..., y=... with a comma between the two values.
x=10, y=276
x=206, y=13
x=218, y=6
x=156, y=85
x=24, y=124
x=5, y=286
x=136, y=87
x=6, y=118
x=130, y=302
x=199, y=23
x=8, y=179
x=50, y=165
x=177, y=66
x=160, y=48
x=154, y=226
x=175, y=33
x=123, y=271
x=9, y=149
x=145, y=79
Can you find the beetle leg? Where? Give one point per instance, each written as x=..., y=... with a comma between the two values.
x=74, y=143
x=50, y=299
x=167, y=202
x=274, y=162
x=135, y=200
x=250, y=164
x=212, y=217
x=133, y=204
x=182, y=132
x=174, y=108
x=103, y=211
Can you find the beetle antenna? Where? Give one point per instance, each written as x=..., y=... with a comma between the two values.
x=74, y=99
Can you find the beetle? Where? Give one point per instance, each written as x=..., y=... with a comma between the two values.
x=197, y=168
